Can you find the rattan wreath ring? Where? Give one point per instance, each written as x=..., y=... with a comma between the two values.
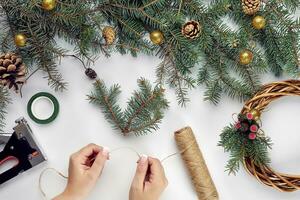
x=266, y=175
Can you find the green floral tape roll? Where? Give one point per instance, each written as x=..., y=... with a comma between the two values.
x=31, y=110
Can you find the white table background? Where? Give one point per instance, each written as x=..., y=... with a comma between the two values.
x=80, y=123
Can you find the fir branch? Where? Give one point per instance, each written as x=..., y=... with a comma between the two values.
x=80, y=23
x=168, y=72
x=107, y=101
x=4, y=101
x=144, y=110
x=240, y=147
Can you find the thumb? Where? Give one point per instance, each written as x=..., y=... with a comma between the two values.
x=99, y=162
x=141, y=171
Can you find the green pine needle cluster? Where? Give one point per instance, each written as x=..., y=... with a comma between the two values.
x=145, y=109
x=240, y=147
x=4, y=101
x=211, y=60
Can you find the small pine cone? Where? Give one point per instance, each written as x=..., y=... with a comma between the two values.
x=109, y=35
x=191, y=29
x=91, y=73
x=250, y=7
x=12, y=71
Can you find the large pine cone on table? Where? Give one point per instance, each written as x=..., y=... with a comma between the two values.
x=12, y=71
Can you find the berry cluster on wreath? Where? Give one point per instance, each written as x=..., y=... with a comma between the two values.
x=247, y=125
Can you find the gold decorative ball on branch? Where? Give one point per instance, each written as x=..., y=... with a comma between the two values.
x=157, y=37
x=259, y=22
x=250, y=7
x=12, y=71
x=246, y=57
x=255, y=114
x=20, y=40
x=191, y=29
x=48, y=4
x=109, y=35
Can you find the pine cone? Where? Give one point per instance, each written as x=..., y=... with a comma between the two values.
x=191, y=29
x=12, y=71
x=250, y=7
x=91, y=73
x=109, y=35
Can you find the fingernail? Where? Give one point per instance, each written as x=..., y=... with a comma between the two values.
x=105, y=151
x=143, y=159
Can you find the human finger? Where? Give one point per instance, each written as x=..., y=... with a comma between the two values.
x=141, y=172
x=89, y=150
x=100, y=161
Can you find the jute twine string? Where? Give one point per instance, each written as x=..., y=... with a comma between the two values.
x=188, y=148
x=196, y=165
x=263, y=173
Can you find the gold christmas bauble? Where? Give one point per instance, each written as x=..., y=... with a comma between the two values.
x=246, y=57
x=259, y=22
x=48, y=4
x=157, y=37
x=256, y=114
x=20, y=40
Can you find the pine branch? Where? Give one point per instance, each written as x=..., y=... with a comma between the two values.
x=81, y=22
x=144, y=110
x=240, y=147
x=4, y=100
x=168, y=72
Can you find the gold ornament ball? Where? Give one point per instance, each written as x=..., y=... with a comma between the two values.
x=246, y=57
x=256, y=114
x=157, y=37
x=259, y=22
x=49, y=4
x=20, y=40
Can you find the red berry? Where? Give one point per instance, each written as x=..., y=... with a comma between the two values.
x=238, y=125
x=249, y=116
x=254, y=128
x=252, y=136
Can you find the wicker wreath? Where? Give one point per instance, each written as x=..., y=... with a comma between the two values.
x=260, y=169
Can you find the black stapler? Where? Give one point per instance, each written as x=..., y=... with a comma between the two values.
x=22, y=147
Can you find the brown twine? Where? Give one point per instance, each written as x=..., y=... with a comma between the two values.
x=263, y=173
x=116, y=149
x=196, y=165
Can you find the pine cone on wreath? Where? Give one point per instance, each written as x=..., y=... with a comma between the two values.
x=250, y=7
x=12, y=71
x=191, y=29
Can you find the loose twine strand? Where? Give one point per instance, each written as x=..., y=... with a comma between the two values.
x=114, y=150
x=192, y=157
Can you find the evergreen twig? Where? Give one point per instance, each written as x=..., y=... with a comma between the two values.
x=144, y=110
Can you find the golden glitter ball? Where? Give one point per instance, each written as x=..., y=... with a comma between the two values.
x=20, y=40
x=157, y=37
x=259, y=22
x=256, y=114
x=48, y=4
x=246, y=57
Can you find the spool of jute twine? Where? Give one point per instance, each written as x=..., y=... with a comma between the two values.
x=196, y=165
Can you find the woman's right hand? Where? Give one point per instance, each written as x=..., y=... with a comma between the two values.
x=149, y=181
